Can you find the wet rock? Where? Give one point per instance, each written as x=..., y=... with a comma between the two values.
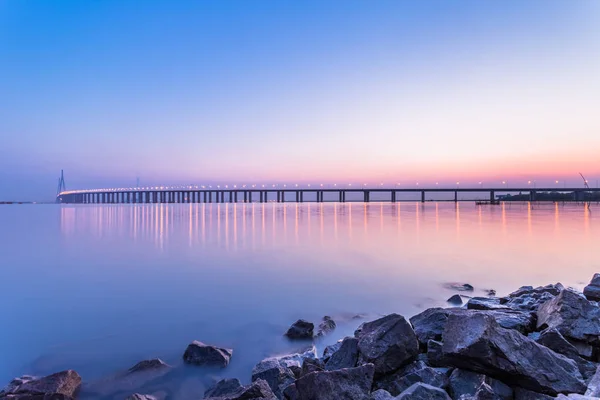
x=329, y=350
x=297, y=359
x=277, y=376
x=342, y=384
x=225, y=387
x=429, y=324
x=592, y=291
x=455, y=300
x=461, y=287
x=463, y=383
x=593, y=388
x=413, y=373
x=311, y=365
x=381, y=395
x=552, y=339
x=59, y=386
x=476, y=342
x=423, y=391
x=388, y=343
x=147, y=365
x=572, y=315
x=291, y=393
x=524, y=394
x=435, y=356
x=490, y=292
x=301, y=329
x=137, y=396
x=326, y=327
x=528, y=298
x=198, y=353
x=258, y=390
x=574, y=396
x=345, y=357
x=486, y=303
x=484, y=392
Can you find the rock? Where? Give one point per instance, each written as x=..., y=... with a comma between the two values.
x=297, y=359
x=490, y=292
x=461, y=287
x=486, y=303
x=224, y=387
x=423, y=391
x=476, y=342
x=301, y=329
x=592, y=291
x=198, y=353
x=329, y=350
x=291, y=393
x=326, y=326
x=593, y=388
x=59, y=386
x=342, y=384
x=463, y=383
x=429, y=324
x=575, y=396
x=435, y=356
x=572, y=315
x=311, y=365
x=552, y=339
x=258, y=390
x=381, y=395
x=455, y=300
x=388, y=343
x=524, y=394
x=345, y=357
x=529, y=299
x=276, y=375
x=146, y=365
x=413, y=373
x=484, y=392
x=137, y=396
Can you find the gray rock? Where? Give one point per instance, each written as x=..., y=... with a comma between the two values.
x=524, y=394
x=490, y=292
x=416, y=372
x=429, y=324
x=326, y=327
x=575, y=396
x=277, y=376
x=329, y=350
x=301, y=329
x=528, y=298
x=225, y=387
x=462, y=287
x=311, y=365
x=198, y=353
x=466, y=383
x=593, y=388
x=435, y=355
x=59, y=386
x=592, y=291
x=258, y=390
x=455, y=300
x=345, y=357
x=138, y=396
x=485, y=392
x=423, y=391
x=342, y=384
x=552, y=339
x=572, y=315
x=388, y=343
x=476, y=342
x=147, y=365
x=381, y=395
x=291, y=392
x=486, y=303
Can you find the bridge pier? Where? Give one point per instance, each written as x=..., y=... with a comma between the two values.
x=366, y=196
x=393, y=196
x=456, y=196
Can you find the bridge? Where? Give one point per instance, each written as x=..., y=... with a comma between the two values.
x=195, y=194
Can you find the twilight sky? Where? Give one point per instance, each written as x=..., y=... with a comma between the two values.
x=194, y=91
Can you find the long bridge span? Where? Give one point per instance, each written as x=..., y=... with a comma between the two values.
x=193, y=194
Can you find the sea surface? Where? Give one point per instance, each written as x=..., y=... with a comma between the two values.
x=97, y=288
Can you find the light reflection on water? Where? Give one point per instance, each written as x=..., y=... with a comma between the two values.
x=97, y=288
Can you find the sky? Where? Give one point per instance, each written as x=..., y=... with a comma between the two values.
x=192, y=91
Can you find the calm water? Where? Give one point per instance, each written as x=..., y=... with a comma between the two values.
x=98, y=288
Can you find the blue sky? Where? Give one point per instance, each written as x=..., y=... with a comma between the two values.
x=282, y=91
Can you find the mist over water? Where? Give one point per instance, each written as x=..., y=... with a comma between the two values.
x=98, y=288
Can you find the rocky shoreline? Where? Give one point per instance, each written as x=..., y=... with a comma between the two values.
x=536, y=343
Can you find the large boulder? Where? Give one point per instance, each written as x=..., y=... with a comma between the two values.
x=486, y=303
x=430, y=324
x=552, y=339
x=224, y=387
x=258, y=390
x=388, y=343
x=413, y=373
x=524, y=394
x=592, y=291
x=326, y=326
x=435, y=355
x=381, y=395
x=528, y=298
x=345, y=357
x=593, y=388
x=301, y=329
x=476, y=342
x=343, y=384
x=59, y=386
x=463, y=383
x=572, y=315
x=278, y=372
x=484, y=392
x=198, y=353
x=423, y=391
x=329, y=350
